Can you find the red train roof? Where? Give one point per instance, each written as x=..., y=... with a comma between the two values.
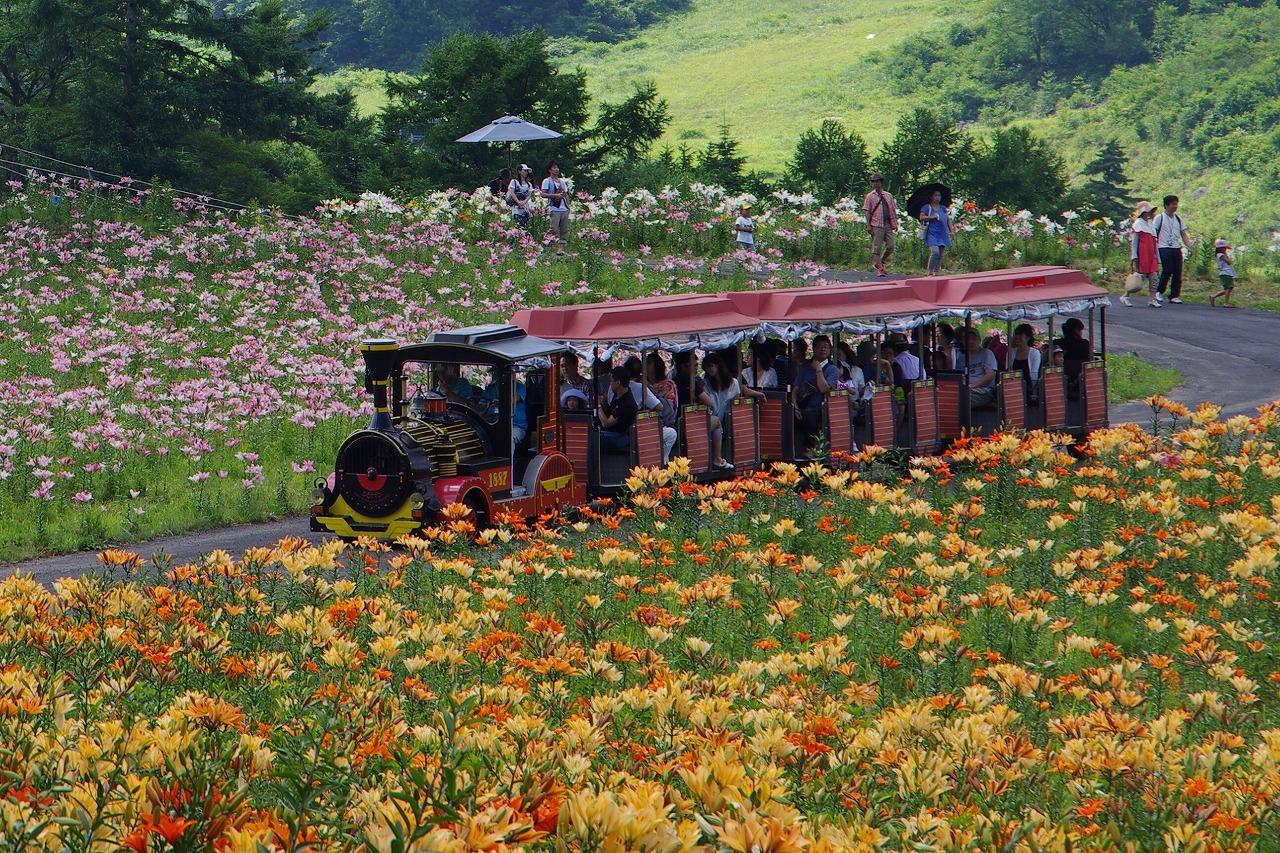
x=1004, y=288
x=687, y=315
x=635, y=319
x=831, y=303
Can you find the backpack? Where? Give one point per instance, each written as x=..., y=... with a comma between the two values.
x=667, y=412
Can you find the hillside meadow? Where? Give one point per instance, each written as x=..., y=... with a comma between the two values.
x=171, y=367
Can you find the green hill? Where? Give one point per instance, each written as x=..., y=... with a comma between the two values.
x=768, y=70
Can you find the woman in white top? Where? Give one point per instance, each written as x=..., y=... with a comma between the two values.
x=758, y=376
x=1024, y=355
x=520, y=195
x=723, y=389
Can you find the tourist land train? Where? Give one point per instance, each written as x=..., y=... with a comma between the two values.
x=429, y=447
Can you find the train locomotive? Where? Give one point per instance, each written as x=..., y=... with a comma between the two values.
x=438, y=438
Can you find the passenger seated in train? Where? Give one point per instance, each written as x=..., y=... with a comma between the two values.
x=851, y=377
x=907, y=369
x=997, y=346
x=814, y=378
x=1023, y=355
x=758, y=372
x=721, y=390
x=865, y=359
x=617, y=414
x=487, y=402
x=662, y=386
x=947, y=348
x=648, y=401
x=601, y=368
x=980, y=365
x=573, y=400
x=571, y=374
x=1076, y=350
x=1076, y=353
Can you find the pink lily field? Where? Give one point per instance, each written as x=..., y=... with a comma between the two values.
x=167, y=366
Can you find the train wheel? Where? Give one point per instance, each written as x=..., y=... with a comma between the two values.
x=479, y=509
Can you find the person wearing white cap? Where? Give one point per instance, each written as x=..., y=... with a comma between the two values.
x=1142, y=251
x=1226, y=273
x=520, y=195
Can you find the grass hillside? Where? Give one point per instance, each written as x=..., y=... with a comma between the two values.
x=767, y=69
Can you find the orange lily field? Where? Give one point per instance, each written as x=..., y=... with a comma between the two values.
x=1008, y=649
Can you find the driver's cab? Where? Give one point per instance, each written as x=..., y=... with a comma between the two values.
x=476, y=409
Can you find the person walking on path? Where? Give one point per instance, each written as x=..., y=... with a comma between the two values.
x=1226, y=273
x=1171, y=237
x=1142, y=251
x=745, y=230
x=882, y=221
x=938, y=230
x=556, y=192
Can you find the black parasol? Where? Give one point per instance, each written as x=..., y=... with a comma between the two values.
x=921, y=197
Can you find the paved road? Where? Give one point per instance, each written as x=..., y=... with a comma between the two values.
x=184, y=548
x=1229, y=356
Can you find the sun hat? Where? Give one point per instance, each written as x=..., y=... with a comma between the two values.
x=876, y=176
x=573, y=394
x=1143, y=207
x=1220, y=244
x=524, y=167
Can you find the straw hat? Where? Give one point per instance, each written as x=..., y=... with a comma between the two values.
x=1144, y=207
x=1220, y=244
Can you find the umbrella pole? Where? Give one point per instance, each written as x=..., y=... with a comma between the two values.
x=508, y=156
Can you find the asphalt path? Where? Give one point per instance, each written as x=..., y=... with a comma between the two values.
x=1227, y=355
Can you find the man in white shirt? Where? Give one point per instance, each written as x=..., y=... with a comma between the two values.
x=1171, y=237
x=556, y=192
x=980, y=364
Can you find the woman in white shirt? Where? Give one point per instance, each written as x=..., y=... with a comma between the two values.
x=759, y=375
x=520, y=195
x=723, y=389
x=1024, y=355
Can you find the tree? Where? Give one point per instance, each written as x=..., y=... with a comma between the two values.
x=1105, y=191
x=466, y=82
x=1018, y=169
x=722, y=163
x=927, y=147
x=164, y=89
x=829, y=162
x=627, y=130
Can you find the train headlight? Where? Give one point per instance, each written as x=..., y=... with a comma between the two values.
x=319, y=496
x=417, y=502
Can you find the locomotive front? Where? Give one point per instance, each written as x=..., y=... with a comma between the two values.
x=462, y=440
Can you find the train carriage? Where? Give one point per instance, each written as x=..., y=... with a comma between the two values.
x=474, y=416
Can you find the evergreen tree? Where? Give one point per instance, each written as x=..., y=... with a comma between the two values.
x=721, y=162
x=829, y=162
x=627, y=130
x=927, y=147
x=1105, y=191
x=466, y=82
x=1018, y=169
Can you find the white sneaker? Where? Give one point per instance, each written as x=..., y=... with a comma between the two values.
x=1159, y=299
x=1154, y=303
x=1124, y=300
x=1176, y=301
